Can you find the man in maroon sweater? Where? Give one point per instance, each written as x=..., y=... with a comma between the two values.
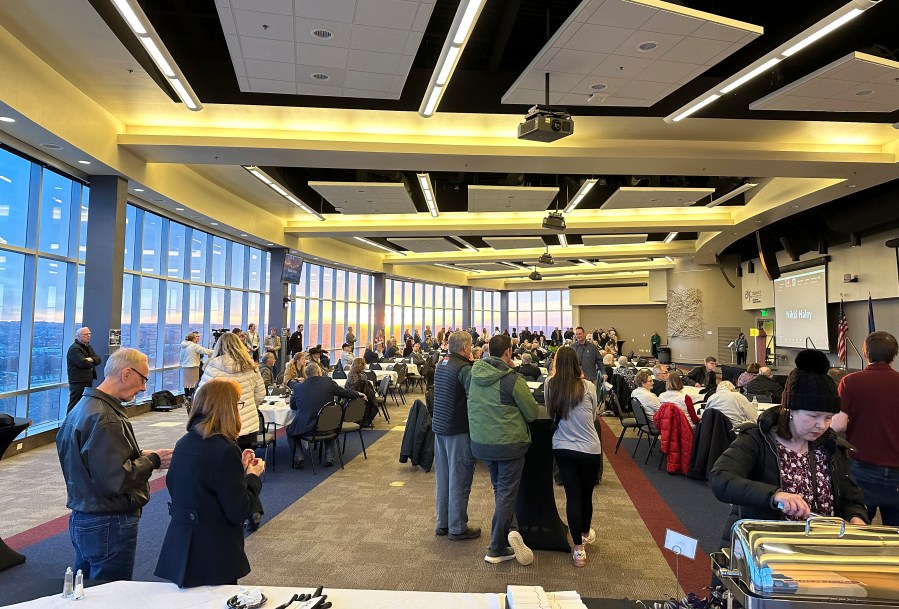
x=870, y=417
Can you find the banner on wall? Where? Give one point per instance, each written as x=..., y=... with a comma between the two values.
x=758, y=290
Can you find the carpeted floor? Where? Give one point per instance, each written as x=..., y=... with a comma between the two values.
x=372, y=524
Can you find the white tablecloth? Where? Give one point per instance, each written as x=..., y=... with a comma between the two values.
x=379, y=374
x=410, y=368
x=277, y=410
x=534, y=385
x=156, y=595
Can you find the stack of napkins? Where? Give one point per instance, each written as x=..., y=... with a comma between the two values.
x=535, y=597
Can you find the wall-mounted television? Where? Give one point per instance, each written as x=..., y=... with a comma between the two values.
x=293, y=268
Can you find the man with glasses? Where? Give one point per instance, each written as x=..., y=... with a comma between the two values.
x=107, y=474
x=660, y=378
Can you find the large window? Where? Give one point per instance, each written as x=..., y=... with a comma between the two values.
x=327, y=302
x=410, y=305
x=169, y=296
x=539, y=310
x=485, y=310
x=43, y=216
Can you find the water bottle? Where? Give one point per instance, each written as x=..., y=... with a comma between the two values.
x=79, y=586
x=68, y=586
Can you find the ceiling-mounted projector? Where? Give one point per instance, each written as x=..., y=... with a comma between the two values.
x=535, y=276
x=554, y=221
x=546, y=258
x=546, y=124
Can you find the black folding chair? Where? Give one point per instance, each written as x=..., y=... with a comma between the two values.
x=646, y=427
x=626, y=423
x=265, y=438
x=328, y=425
x=353, y=413
x=382, y=390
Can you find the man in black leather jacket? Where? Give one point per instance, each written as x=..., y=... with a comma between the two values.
x=107, y=474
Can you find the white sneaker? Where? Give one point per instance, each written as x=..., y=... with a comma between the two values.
x=589, y=538
x=523, y=554
x=579, y=558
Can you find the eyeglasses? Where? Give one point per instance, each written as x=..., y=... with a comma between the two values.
x=146, y=379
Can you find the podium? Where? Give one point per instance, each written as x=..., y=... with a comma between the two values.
x=8, y=556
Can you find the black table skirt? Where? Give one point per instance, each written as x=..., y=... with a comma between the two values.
x=538, y=518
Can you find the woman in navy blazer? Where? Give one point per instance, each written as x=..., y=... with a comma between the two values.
x=214, y=489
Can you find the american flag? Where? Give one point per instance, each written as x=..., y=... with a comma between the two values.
x=842, y=334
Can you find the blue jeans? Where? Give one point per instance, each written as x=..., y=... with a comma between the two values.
x=881, y=488
x=105, y=544
x=506, y=478
x=455, y=470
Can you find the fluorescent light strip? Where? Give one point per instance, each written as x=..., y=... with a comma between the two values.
x=670, y=237
x=562, y=240
x=427, y=189
x=515, y=266
x=583, y=261
x=752, y=74
x=698, y=106
x=460, y=31
x=265, y=179
x=822, y=28
x=378, y=245
x=727, y=197
x=580, y=194
x=466, y=244
x=136, y=19
x=669, y=258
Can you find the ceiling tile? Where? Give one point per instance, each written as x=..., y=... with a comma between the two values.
x=598, y=38
x=717, y=31
x=321, y=55
x=336, y=76
x=572, y=61
x=257, y=68
x=668, y=71
x=511, y=243
x=386, y=40
x=623, y=14
x=323, y=90
x=341, y=32
x=366, y=197
x=672, y=23
x=627, y=197
x=664, y=42
x=558, y=81
x=696, y=50
x=592, y=240
x=365, y=93
x=422, y=18
x=488, y=266
x=226, y=16
x=371, y=61
x=262, y=85
x=278, y=7
x=328, y=10
x=368, y=81
x=622, y=67
x=397, y=14
x=233, y=42
x=638, y=89
x=510, y=198
x=264, y=25
x=271, y=50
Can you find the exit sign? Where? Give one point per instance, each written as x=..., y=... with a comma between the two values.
x=764, y=312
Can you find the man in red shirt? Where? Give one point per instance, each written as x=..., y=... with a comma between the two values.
x=870, y=417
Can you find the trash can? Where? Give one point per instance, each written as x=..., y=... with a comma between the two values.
x=664, y=354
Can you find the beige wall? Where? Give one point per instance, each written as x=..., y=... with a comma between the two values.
x=721, y=306
x=634, y=323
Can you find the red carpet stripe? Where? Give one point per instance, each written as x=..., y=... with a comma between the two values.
x=20, y=541
x=694, y=574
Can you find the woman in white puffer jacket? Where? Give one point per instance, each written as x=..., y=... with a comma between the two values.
x=230, y=360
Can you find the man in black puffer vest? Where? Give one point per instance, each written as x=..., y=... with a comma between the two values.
x=452, y=444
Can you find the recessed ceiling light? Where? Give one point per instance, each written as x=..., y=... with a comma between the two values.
x=213, y=224
x=138, y=190
x=269, y=243
x=243, y=234
x=322, y=33
x=51, y=146
x=851, y=185
x=84, y=162
x=179, y=209
x=648, y=46
x=600, y=86
x=864, y=92
x=7, y=119
x=320, y=76
x=361, y=190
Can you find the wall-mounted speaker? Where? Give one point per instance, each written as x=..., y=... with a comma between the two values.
x=767, y=256
x=855, y=240
x=739, y=270
x=750, y=267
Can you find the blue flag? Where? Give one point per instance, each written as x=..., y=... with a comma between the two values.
x=870, y=314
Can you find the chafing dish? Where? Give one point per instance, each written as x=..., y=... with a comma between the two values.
x=819, y=563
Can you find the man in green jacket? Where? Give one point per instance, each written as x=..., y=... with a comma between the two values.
x=500, y=405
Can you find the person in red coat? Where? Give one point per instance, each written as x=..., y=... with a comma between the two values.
x=676, y=439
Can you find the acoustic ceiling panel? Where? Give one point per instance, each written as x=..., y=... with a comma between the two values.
x=342, y=48
x=511, y=243
x=354, y=198
x=487, y=266
x=855, y=83
x=509, y=198
x=613, y=239
x=634, y=197
x=628, y=53
x=425, y=244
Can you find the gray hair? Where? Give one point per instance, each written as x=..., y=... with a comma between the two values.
x=313, y=369
x=765, y=371
x=608, y=359
x=622, y=361
x=268, y=356
x=459, y=341
x=725, y=386
x=82, y=330
x=525, y=358
x=122, y=359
